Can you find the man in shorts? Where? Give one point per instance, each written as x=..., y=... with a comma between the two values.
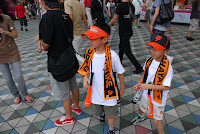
x=194, y=21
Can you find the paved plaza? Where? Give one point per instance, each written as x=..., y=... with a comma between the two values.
x=182, y=111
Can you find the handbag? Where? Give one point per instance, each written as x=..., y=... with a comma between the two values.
x=166, y=13
x=65, y=65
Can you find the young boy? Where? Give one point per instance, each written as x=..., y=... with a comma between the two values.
x=157, y=79
x=99, y=64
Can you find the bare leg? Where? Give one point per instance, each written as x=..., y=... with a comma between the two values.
x=159, y=125
x=138, y=21
x=140, y=111
x=111, y=122
x=67, y=107
x=75, y=95
x=190, y=33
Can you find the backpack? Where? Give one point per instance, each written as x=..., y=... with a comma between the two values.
x=64, y=66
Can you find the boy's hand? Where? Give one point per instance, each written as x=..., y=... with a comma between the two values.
x=136, y=87
x=144, y=86
x=86, y=82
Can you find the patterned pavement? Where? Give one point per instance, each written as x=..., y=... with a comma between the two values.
x=182, y=112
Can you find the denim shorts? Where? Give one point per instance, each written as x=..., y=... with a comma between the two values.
x=61, y=90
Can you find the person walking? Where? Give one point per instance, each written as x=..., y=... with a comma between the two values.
x=138, y=9
x=125, y=31
x=87, y=4
x=194, y=20
x=155, y=28
x=20, y=14
x=147, y=16
x=10, y=60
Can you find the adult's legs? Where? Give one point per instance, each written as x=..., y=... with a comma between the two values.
x=21, y=22
x=125, y=43
x=25, y=23
x=67, y=107
x=75, y=95
x=5, y=70
x=111, y=122
x=89, y=16
x=17, y=73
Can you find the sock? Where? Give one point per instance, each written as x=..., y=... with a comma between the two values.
x=141, y=115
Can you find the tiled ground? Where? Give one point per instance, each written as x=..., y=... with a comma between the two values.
x=182, y=112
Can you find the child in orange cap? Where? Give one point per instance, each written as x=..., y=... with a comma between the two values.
x=156, y=82
x=99, y=68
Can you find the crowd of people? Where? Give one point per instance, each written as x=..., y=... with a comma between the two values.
x=60, y=34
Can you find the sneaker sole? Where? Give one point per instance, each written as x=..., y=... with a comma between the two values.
x=138, y=122
x=64, y=124
x=76, y=112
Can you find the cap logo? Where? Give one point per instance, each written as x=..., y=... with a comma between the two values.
x=94, y=30
x=158, y=38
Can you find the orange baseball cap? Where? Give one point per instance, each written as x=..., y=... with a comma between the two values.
x=161, y=42
x=95, y=33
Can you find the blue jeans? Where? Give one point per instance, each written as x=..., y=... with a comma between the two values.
x=17, y=73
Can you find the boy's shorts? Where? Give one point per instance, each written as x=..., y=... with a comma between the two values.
x=110, y=111
x=61, y=90
x=194, y=25
x=137, y=16
x=157, y=110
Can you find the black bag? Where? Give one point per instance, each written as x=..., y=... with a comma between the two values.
x=166, y=13
x=65, y=65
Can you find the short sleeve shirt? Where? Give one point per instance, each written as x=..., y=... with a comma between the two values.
x=98, y=65
x=71, y=7
x=51, y=31
x=125, y=24
x=150, y=79
x=20, y=10
x=8, y=48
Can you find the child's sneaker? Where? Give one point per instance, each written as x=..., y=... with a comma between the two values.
x=138, y=25
x=111, y=132
x=102, y=118
x=76, y=110
x=137, y=120
x=64, y=121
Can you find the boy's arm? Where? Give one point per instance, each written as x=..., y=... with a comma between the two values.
x=122, y=86
x=154, y=87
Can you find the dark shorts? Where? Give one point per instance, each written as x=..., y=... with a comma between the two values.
x=110, y=111
x=155, y=33
x=137, y=16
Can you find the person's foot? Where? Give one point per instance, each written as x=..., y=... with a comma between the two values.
x=147, y=25
x=29, y=99
x=138, y=25
x=64, y=121
x=189, y=38
x=76, y=110
x=111, y=132
x=22, y=29
x=137, y=120
x=137, y=71
x=26, y=29
x=102, y=118
x=17, y=100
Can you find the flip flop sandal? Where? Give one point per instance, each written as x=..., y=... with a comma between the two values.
x=29, y=99
x=17, y=100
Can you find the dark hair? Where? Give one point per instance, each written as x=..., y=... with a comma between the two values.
x=103, y=26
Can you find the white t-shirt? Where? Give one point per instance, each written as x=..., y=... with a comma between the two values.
x=151, y=75
x=138, y=6
x=98, y=63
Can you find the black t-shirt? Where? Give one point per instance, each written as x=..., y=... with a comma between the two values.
x=195, y=10
x=52, y=33
x=125, y=22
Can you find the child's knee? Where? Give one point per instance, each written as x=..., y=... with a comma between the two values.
x=157, y=122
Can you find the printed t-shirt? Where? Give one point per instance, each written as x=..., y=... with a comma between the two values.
x=20, y=10
x=71, y=7
x=98, y=64
x=125, y=24
x=8, y=48
x=150, y=79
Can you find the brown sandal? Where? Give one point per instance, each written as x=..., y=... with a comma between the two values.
x=17, y=100
x=29, y=99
